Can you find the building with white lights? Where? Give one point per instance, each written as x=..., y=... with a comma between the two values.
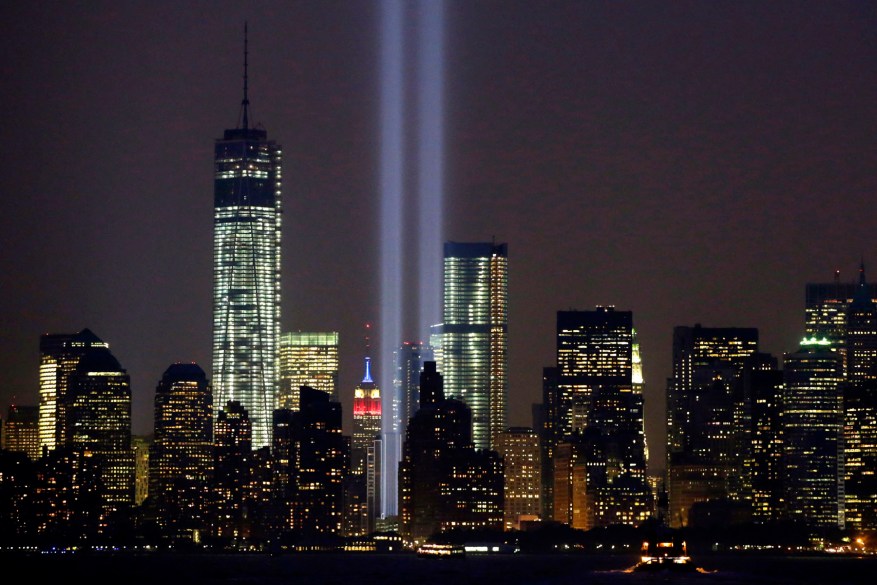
x=474, y=334
x=246, y=273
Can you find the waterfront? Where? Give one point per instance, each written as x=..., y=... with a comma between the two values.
x=398, y=569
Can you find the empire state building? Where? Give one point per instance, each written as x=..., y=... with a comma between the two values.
x=246, y=271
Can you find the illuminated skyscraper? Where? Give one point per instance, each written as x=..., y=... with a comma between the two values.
x=522, y=474
x=812, y=433
x=232, y=469
x=246, y=271
x=707, y=365
x=826, y=306
x=59, y=354
x=366, y=420
x=181, y=462
x=307, y=359
x=98, y=422
x=860, y=455
x=599, y=384
x=600, y=414
x=475, y=334
x=861, y=334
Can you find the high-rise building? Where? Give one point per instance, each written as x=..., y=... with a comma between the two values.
x=318, y=463
x=98, y=422
x=59, y=354
x=701, y=437
x=21, y=432
x=860, y=455
x=597, y=383
x=307, y=359
x=549, y=436
x=181, y=462
x=366, y=420
x=861, y=334
x=826, y=305
x=444, y=483
x=232, y=471
x=762, y=446
x=812, y=434
x=246, y=271
x=522, y=475
x=475, y=334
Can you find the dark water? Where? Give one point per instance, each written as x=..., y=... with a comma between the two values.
x=373, y=569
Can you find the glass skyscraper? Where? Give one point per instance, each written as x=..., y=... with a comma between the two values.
x=475, y=334
x=246, y=273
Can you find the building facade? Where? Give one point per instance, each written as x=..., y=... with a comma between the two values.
x=474, y=340
x=307, y=359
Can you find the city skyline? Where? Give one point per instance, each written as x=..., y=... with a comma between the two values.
x=689, y=163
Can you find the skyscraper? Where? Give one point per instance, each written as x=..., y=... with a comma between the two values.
x=475, y=334
x=307, y=359
x=522, y=475
x=59, y=354
x=404, y=401
x=181, y=461
x=861, y=334
x=600, y=413
x=246, y=271
x=366, y=420
x=826, y=306
x=98, y=422
x=813, y=434
x=707, y=365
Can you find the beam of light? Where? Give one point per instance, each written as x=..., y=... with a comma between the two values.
x=391, y=186
x=430, y=115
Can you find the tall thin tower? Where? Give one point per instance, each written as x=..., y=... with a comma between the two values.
x=246, y=270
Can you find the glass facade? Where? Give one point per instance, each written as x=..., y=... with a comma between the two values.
x=307, y=359
x=475, y=334
x=246, y=277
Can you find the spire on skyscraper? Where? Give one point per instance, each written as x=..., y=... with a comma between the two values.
x=367, y=379
x=245, y=103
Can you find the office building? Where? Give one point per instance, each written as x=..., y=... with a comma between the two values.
x=246, y=272
x=861, y=334
x=307, y=359
x=474, y=334
x=141, y=445
x=444, y=482
x=21, y=431
x=826, y=307
x=318, y=463
x=860, y=455
x=59, y=354
x=701, y=395
x=522, y=474
x=812, y=434
x=98, y=423
x=232, y=472
x=181, y=461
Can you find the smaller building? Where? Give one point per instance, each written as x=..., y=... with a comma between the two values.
x=21, y=431
x=522, y=472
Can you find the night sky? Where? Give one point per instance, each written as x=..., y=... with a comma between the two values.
x=694, y=162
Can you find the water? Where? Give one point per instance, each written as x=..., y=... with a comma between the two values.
x=407, y=569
